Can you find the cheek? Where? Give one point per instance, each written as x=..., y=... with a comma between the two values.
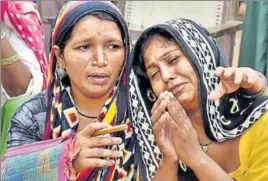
x=185, y=68
x=116, y=62
x=77, y=61
x=157, y=88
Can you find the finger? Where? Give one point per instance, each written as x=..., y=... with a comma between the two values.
x=219, y=71
x=228, y=72
x=251, y=78
x=159, y=125
x=158, y=101
x=238, y=77
x=159, y=111
x=170, y=121
x=97, y=163
x=103, y=141
x=91, y=128
x=175, y=110
x=101, y=152
x=218, y=92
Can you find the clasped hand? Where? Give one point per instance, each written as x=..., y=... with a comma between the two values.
x=174, y=132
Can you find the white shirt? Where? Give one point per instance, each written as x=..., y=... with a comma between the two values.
x=27, y=56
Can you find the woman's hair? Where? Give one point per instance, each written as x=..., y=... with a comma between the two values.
x=138, y=64
x=97, y=14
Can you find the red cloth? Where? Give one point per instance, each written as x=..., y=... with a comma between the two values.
x=23, y=17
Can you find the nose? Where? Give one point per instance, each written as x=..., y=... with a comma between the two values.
x=167, y=74
x=100, y=59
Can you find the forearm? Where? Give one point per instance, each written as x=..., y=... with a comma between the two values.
x=15, y=76
x=206, y=169
x=166, y=172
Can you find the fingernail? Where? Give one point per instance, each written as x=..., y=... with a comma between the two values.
x=250, y=79
x=118, y=140
x=119, y=153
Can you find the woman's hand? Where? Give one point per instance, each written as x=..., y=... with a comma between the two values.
x=184, y=136
x=93, y=154
x=162, y=130
x=232, y=78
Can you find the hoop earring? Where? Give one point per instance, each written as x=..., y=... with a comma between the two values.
x=62, y=73
x=151, y=95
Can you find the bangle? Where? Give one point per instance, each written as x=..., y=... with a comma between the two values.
x=261, y=91
x=10, y=60
x=2, y=35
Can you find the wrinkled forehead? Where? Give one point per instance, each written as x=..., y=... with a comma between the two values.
x=160, y=41
x=71, y=12
x=157, y=39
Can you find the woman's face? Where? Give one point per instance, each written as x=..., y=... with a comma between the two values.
x=168, y=69
x=93, y=56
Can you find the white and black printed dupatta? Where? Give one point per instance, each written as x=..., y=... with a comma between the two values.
x=223, y=119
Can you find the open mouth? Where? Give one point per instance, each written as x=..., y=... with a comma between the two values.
x=98, y=79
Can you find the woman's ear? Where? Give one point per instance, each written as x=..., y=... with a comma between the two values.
x=59, y=56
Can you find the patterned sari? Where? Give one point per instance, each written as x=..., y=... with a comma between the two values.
x=223, y=119
x=62, y=117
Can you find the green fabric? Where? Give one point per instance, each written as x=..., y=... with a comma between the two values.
x=254, y=44
x=7, y=112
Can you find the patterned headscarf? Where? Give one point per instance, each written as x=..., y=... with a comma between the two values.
x=24, y=19
x=223, y=119
x=62, y=117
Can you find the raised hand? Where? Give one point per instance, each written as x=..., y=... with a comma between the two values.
x=162, y=130
x=93, y=154
x=232, y=78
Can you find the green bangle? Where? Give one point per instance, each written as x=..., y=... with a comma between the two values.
x=9, y=60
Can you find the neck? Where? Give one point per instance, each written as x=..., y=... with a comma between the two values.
x=197, y=122
x=89, y=106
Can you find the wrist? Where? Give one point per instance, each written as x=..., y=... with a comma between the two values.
x=257, y=89
x=200, y=163
x=169, y=163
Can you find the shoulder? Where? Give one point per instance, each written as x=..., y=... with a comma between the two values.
x=262, y=122
x=32, y=110
x=258, y=128
x=28, y=123
x=254, y=151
